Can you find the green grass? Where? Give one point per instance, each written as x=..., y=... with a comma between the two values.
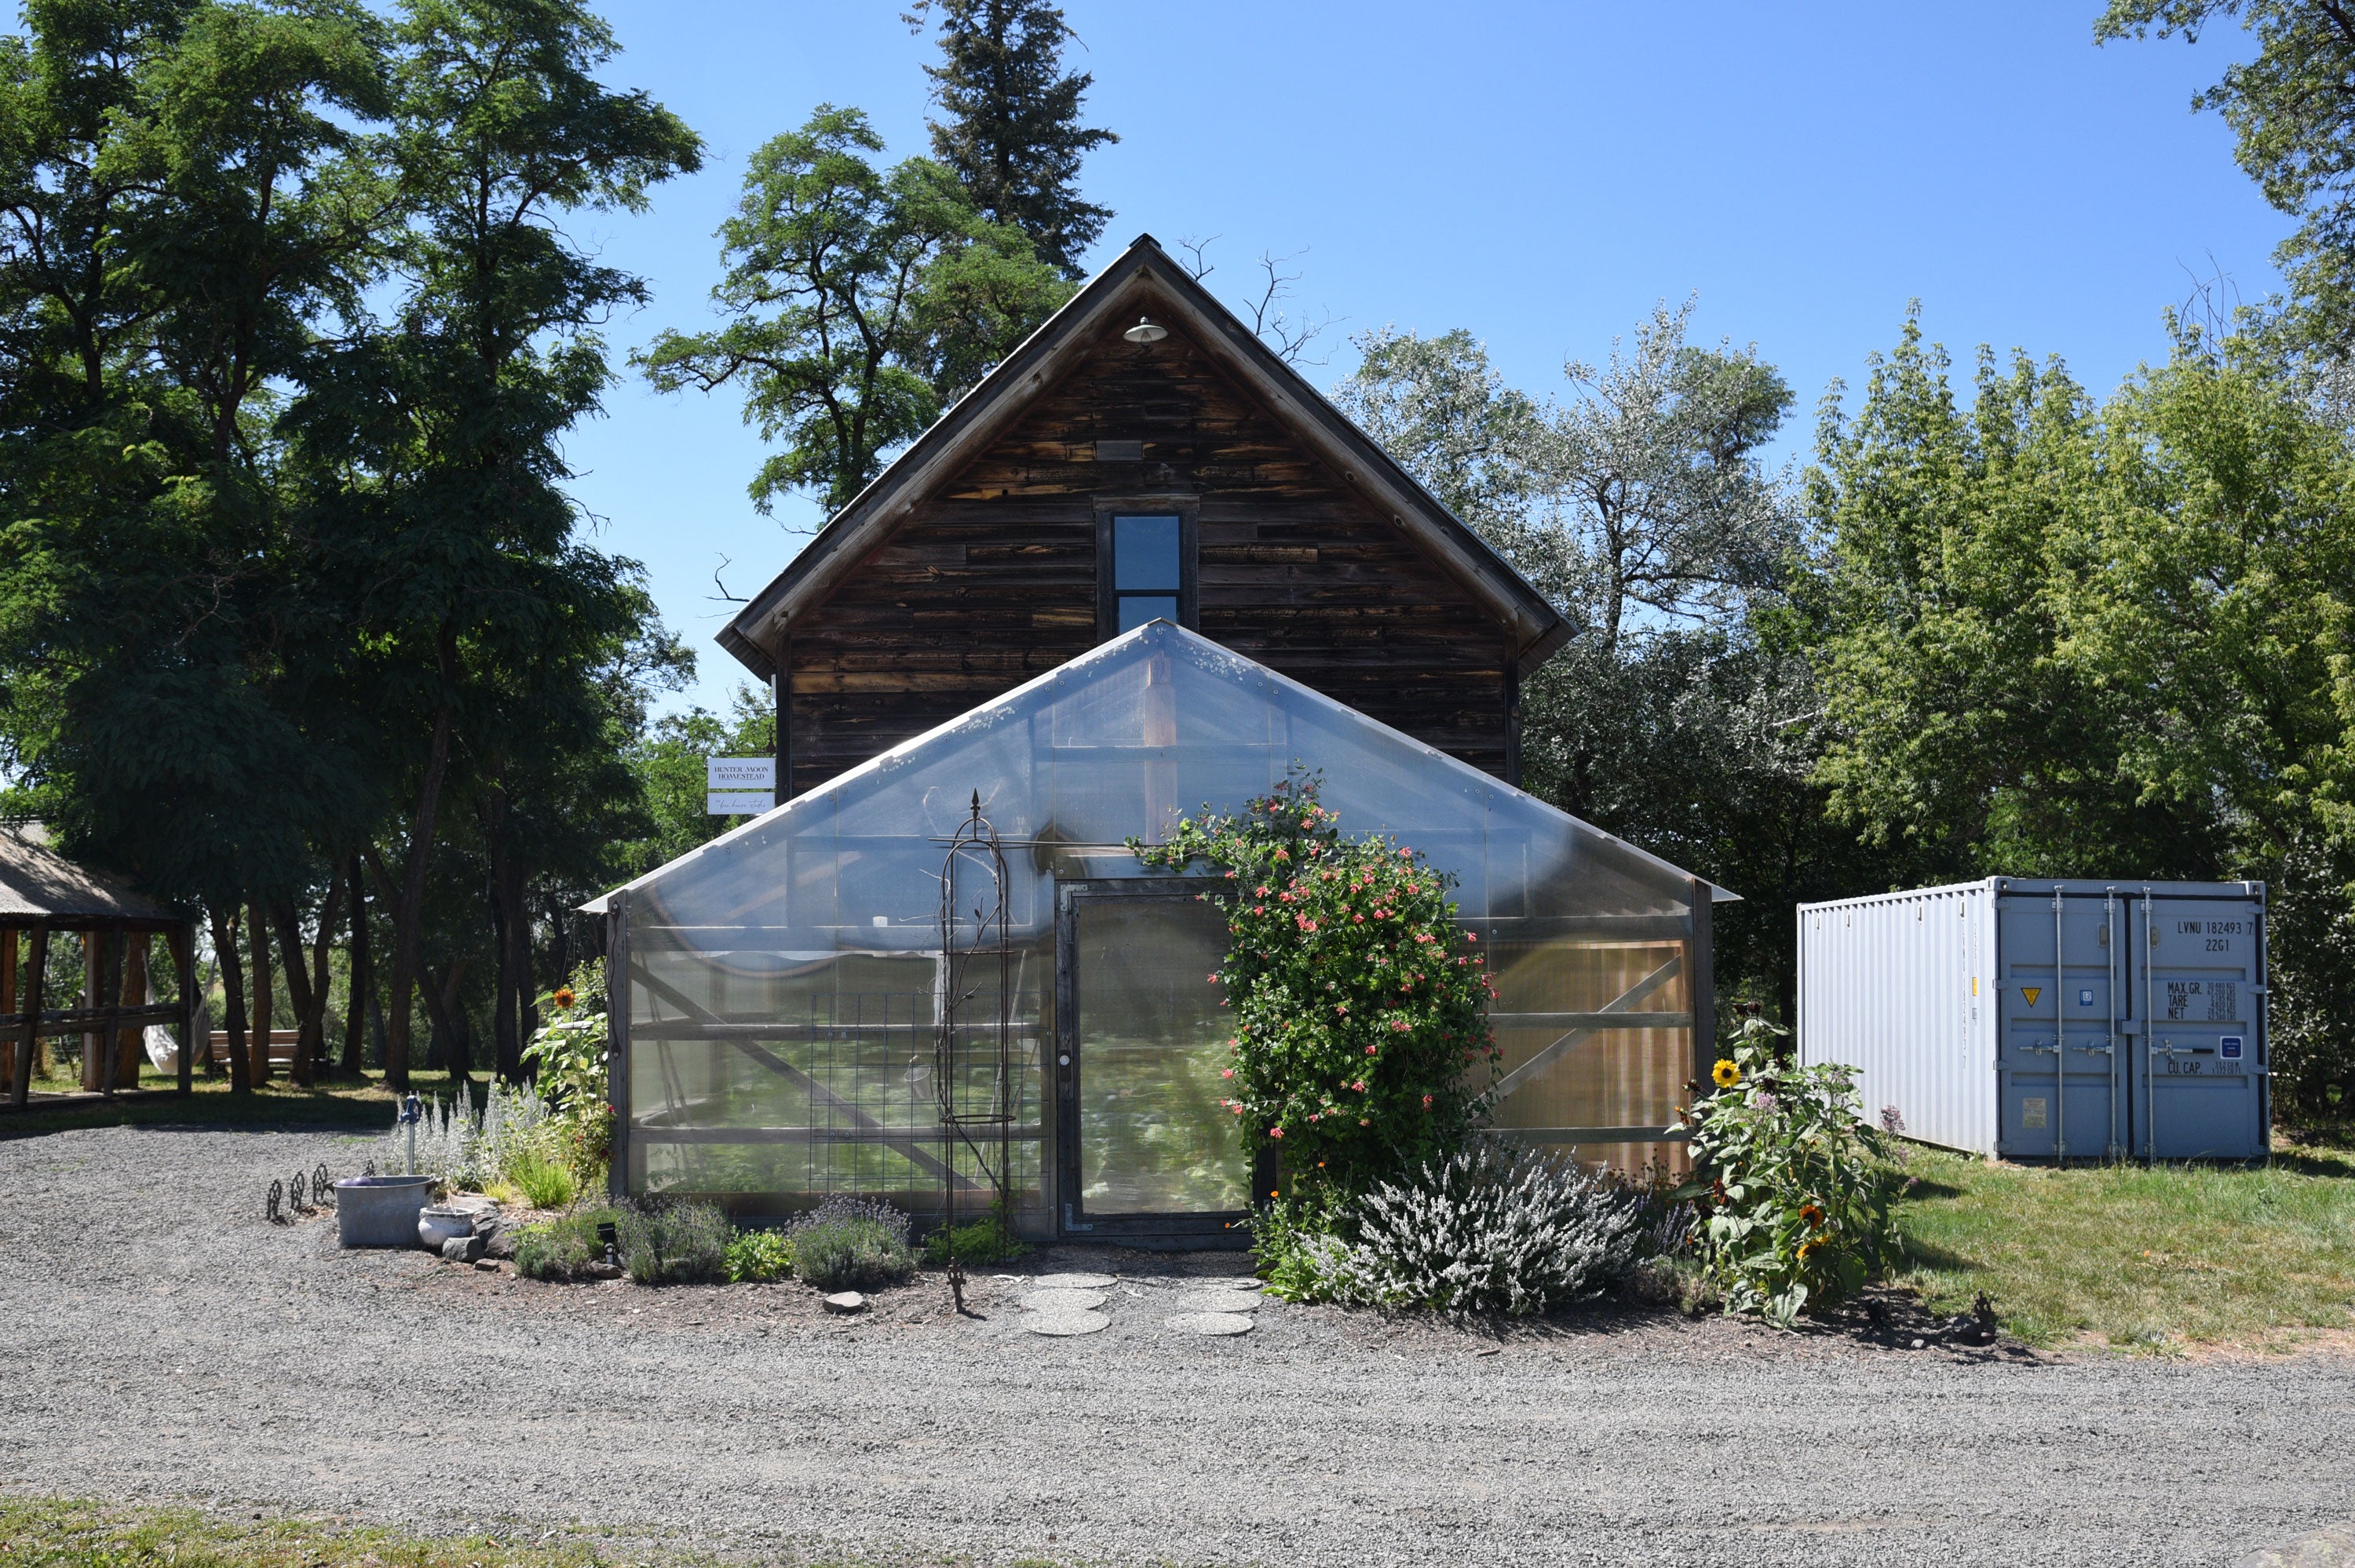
x=2137, y=1257
x=364, y=1105
x=51, y=1533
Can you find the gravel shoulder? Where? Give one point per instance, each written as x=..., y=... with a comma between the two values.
x=162, y=1340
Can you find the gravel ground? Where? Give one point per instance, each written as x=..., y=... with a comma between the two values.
x=163, y=1341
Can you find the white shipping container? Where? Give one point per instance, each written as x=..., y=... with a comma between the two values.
x=2036, y=1019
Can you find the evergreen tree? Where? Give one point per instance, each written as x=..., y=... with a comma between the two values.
x=1013, y=134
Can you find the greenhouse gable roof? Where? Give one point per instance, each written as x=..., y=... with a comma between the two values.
x=1156, y=723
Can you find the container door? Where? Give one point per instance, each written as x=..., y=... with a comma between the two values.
x=2058, y=1090
x=2198, y=1065
x=1149, y=1147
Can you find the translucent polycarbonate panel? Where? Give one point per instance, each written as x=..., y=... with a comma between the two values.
x=786, y=983
x=1155, y=1134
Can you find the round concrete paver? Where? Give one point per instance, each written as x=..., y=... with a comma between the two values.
x=1218, y=1325
x=1062, y=1301
x=1066, y=1324
x=1071, y=1282
x=1218, y=1301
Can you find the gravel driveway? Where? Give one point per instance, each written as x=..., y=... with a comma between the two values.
x=162, y=1340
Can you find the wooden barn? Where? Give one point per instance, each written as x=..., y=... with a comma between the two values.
x=1142, y=568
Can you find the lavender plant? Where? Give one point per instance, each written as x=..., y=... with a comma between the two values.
x=1486, y=1231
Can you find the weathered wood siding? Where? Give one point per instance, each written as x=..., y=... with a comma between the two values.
x=992, y=581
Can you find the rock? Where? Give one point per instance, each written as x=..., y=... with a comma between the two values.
x=603, y=1270
x=1063, y=1300
x=499, y=1243
x=1217, y=1325
x=487, y=1264
x=2332, y=1546
x=1065, y=1325
x=462, y=1249
x=1071, y=1282
x=846, y=1302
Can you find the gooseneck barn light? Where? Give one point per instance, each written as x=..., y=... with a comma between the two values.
x=1146, y=330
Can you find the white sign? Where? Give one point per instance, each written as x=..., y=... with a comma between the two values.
x=740, y=773
x=739, y=786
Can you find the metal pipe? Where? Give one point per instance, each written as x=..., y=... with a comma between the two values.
x=2060, y=1043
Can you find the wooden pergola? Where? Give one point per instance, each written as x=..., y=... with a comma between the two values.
x=42, y=894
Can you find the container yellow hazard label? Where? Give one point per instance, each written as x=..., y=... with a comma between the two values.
x=2031, y=993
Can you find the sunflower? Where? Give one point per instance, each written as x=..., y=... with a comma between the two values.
x=1813, y=1213
x=1808, y=1246
x=1726, y=1074
x=563, y=997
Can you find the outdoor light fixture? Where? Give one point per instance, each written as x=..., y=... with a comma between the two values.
x=1146, y=331
x=610, y=1234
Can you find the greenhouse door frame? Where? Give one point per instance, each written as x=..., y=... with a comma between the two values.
x=1072, y=1222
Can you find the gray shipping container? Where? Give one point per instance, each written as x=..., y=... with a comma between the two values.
x=2042, y=1020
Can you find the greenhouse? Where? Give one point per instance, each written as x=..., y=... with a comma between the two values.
x=942, y=975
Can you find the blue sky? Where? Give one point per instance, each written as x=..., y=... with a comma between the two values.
x=1539, y=174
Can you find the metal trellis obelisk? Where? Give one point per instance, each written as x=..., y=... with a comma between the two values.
x=971, y=1052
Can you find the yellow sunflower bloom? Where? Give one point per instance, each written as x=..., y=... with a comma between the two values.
x=1806, y=1247
x=1726, y=1074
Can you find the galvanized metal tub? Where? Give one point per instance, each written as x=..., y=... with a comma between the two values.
x=379, y=1211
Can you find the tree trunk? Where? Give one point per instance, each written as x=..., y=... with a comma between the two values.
x=511, y=927
x=409, y=903
x=310, y=997
x=258, y=1055
x=362, y=983
x=322, y=976
x=233, y=997
x=449, y=1022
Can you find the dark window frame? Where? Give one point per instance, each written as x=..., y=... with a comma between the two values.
x=1186, y=509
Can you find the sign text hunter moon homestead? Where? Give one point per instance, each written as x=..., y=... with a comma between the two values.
x=739, y=786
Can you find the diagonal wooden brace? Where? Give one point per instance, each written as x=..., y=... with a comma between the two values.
x=1624, y=1002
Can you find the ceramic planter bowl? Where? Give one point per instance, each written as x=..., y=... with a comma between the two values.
x=379, y=1211
x=438, y=1223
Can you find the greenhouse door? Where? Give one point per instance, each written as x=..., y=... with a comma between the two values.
x=1147, y=1147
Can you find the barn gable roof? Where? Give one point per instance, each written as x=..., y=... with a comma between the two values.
x=1144, y=281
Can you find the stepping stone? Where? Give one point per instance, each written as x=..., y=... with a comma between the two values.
x=846, y=1302
x=1062, y=1301
x=1217, y=1325
x=1219, y=1301
x=1066, y=1324
x=1071, y=1282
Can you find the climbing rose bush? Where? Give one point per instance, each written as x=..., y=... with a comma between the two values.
x=1792, y=1183
x=1361, y=1048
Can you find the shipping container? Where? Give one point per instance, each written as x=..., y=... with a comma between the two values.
x=2040, y=1019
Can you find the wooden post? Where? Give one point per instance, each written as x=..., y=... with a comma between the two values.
x=7, y=1003
x=36, y=994
x=617, y=1040
x=113, y=944
x=1701, y=984
x=130, y=1044
x=184, y=969
x=93, y=959
x=258, y=1032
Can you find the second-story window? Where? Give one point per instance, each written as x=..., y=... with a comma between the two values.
x=1149, y=570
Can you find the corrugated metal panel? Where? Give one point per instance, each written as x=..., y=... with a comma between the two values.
x=1951, y=1005
x=1890, y=985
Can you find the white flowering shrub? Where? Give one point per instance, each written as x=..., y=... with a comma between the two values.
x=1487, y=1231
x=460, y=1145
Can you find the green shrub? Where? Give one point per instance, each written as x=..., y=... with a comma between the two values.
x=563, y=1248
x=852, y=1243
x=755, y=1257
x=986, y=1240
x=1791, y=1181
x=546, y=1179
x=676, y=1244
